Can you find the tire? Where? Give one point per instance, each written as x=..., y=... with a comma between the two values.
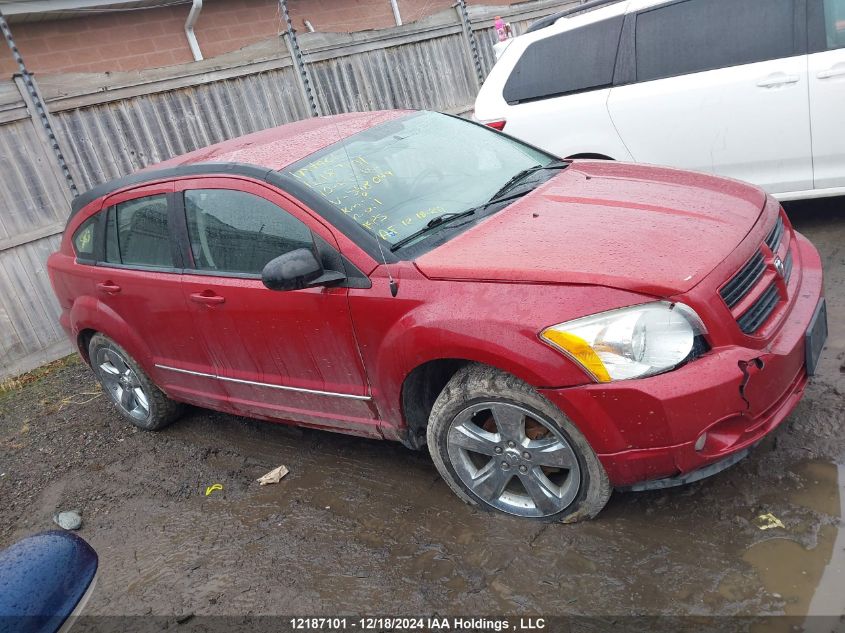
x=502, y=446
x=130, y=389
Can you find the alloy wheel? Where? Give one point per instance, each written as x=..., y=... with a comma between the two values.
x=122, y=383
x=514, y=459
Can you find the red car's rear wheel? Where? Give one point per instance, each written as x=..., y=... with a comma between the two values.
x=136, y=397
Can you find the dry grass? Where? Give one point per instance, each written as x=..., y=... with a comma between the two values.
x=18, y=382
x=84, y=397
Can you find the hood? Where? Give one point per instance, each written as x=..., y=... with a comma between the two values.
x=646, y=229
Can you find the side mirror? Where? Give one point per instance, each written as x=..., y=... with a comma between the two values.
x=297, y=270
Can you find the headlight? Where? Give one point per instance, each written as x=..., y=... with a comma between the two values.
x=631, y=342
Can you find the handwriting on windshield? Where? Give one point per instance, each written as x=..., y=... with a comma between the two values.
x=361, y=190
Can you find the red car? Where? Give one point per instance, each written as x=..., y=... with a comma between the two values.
x=550, y=329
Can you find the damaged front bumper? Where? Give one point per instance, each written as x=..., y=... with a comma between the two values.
x=705, y=414
x=689, y=478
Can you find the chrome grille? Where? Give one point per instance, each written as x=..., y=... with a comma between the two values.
x=742, y=283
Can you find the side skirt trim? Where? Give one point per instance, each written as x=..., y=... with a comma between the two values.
x=315, y=392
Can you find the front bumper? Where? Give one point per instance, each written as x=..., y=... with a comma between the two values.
x=647, y=429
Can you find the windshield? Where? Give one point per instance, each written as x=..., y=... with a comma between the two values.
x=394, y=179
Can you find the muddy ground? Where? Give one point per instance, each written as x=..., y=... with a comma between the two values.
x=363, y=526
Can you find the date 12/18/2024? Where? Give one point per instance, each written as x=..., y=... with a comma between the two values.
x=433, y=623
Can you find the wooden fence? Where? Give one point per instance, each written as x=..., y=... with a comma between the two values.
x=112, y=124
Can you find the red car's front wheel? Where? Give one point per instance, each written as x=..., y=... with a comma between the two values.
x=501, y=445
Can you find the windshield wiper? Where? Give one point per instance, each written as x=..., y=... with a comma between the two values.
x=499, y=196
x=440, y=220
x=432, y=224
x=522, y=175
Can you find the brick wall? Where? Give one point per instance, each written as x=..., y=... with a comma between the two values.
x=149, y=38
x=358, y=15
x=130, y=40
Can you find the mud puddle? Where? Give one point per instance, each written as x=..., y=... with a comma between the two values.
x=809, y=580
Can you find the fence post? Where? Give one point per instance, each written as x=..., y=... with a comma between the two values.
x=470, y=43
x=37, y=108
x=303, y=80
x=47, y=142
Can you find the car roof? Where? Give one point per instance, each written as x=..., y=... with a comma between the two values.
x=590, y=10
x=553, y=18
x=279, y=147
x=256, y=155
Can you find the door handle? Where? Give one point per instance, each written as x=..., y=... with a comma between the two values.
x=836, y=71
x=109, y=287
x=208, y=298
x=778, y=79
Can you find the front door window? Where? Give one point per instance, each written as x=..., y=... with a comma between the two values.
x=237, y=232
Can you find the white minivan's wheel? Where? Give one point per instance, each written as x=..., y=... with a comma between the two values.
x=136, y=397
x=501, y=445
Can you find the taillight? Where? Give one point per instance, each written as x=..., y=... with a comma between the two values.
x=496, y=125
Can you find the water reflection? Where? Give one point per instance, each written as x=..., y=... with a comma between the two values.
x=829, y=597
x=809, y=581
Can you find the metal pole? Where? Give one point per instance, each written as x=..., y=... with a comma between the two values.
x=397, y=17
x=193, y=15
x=299, y=62
x=470, y=37
x=39, y=105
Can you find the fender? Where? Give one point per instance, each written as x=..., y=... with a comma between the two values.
x=88, y=313
x=435, y=320
x=515, y=353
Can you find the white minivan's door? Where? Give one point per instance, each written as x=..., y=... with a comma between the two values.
x=720, y=86
x=826, y=66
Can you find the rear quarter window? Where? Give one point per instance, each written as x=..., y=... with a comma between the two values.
x=84, y=239
x=698, y=35
x=574, y=61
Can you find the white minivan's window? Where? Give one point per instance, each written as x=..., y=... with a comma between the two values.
x=834, y=20
x=698, y=35
x=573, y=61
x=396, y=178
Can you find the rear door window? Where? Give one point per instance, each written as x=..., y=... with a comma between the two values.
x=827, y=25
x=698, y=35
x=834, y=18
x=575, y=61
x=137, y=233
x=238, y=232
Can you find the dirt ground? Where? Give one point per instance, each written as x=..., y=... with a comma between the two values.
x=362, y=526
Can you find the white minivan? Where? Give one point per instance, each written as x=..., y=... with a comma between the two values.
x=752, y=89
